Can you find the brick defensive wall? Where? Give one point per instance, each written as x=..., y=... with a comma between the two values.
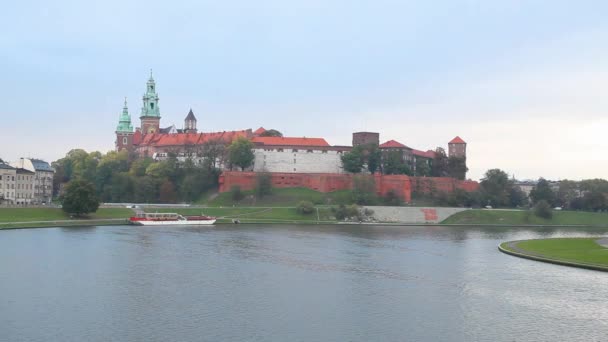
x=401, y=185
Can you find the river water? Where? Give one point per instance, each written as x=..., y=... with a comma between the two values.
x=292, y=283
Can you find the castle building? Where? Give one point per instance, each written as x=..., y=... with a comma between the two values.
x=272, y=154
x=457, y=148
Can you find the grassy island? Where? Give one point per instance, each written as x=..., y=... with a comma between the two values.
x=579, y=252
x=525, y=217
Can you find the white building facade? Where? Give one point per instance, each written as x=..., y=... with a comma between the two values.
x=24, y=186
x=297, y=155
x=43, y=178
x=8, y=175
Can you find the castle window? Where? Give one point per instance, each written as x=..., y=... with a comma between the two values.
x=124, y=140
x=152, y=105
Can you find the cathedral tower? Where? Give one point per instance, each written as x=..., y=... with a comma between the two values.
x=190, y=123
x=124, y=130
x=150, y=113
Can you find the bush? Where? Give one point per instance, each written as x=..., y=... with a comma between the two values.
x=236, y=193
x=543, y=209
x=352, y=212
x=263, y=185
x=391, y=198
x=305, y=207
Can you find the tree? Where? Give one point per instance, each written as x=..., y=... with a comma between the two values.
x=566, y=193
x=305, y=207
x=423, y=168
x=496, y=187
x=263, y=185
x=167, y=192
x=236, y=194
x=395, y=165
x=271, y=133
x=542, y=191
x=543, y=209
x=457, y=167
x=80, y=198
x=440, y=163
x=364, y=189
x=240, y=153
x=353, y=161
x=517, y=198
x=373, y=157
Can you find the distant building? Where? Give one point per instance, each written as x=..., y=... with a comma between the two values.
x=457, y=148
x=366, y=138
x=43, y=178
x=24, y=186
x=8, y=175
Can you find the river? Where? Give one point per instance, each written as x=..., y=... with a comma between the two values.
x=292, y=283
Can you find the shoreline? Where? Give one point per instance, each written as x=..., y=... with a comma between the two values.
x=512, y=249
x=125, y=222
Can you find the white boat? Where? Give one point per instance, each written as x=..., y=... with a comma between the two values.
x=164, y=219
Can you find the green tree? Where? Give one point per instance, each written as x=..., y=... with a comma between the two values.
x=440, y=164
x=542, y=191
x=496, y=187
x=517, y=198
x=167, y=192
x=566, y=193
x=364, y=189
x=236, y=193
x=373, y=157
x=395, y=165
x=457, y=167
x=263, y=185
x=240, y=153
x=353, y=161
x=80, y=198
x=271, y=133
x=423, y=169
x=305, y=207
x=543, y=209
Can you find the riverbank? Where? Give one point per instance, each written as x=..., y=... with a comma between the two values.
x=527, y=218
x=589, y=253
x=11, y=218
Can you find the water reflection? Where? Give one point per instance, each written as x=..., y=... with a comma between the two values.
x=301, y=283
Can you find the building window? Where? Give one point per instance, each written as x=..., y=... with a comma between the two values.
x=308, y=151
x=294, y=150
x=124, y=140
x=279, y=149
x=294, y=160
x=152, y=105
x=324, y=151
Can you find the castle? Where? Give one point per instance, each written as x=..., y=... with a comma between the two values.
x=274, y=154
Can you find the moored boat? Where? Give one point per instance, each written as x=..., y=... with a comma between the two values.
x=163, y=219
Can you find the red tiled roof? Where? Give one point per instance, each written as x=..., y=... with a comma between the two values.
x=392, y=144
x=191, y=138
x=288, y=141
x=259, y=131
x=457, y=140
x=137, y=138
x=428, y=154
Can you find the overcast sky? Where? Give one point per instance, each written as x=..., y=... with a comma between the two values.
x=525, y=83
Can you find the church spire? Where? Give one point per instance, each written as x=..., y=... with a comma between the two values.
x=124, y=122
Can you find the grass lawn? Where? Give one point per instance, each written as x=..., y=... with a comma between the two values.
x=287, y=197
x=52, y=214
x=523, y=217
x=253, y=214
x=582, y=250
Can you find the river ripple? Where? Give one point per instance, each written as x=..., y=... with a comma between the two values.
x=292, y=283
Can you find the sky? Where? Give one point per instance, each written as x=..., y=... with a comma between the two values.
x=523, y=82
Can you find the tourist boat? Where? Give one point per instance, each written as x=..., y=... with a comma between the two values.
x=163, y=219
